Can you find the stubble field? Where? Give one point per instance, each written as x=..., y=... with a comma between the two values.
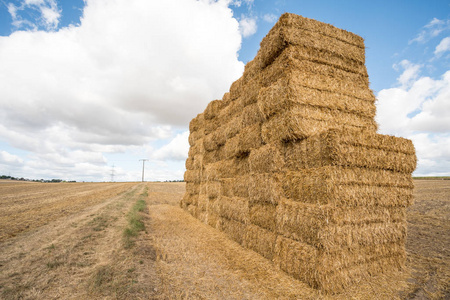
x=68, y=241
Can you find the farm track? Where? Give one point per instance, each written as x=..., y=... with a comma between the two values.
x=82, y=256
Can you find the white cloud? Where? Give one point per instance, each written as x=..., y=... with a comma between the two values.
x=443, y=46
x=270, y=18
x=130, y=73
x=431, y=30
x=410, y=73
x=419, y=109
x=176, y=149
x=47, y=10
x=10, y=159
x=247, y=26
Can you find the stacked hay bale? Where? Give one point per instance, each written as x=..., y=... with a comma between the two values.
x=289, y=163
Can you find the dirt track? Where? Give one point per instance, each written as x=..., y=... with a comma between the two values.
x=80, y=255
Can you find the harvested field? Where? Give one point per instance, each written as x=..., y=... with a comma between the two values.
x=80, y=255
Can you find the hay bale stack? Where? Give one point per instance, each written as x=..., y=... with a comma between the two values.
x=289, y=163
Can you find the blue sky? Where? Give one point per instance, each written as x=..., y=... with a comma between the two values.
x=88, y=85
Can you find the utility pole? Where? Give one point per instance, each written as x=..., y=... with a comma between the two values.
x=112, y=173
x=143, y=164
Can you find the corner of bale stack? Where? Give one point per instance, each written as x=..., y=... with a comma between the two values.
x=288, y=163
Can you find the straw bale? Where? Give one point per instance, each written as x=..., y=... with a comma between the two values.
x=209, y=142
x=195, y=136
x=234, y=208
x=337, y=281
x=237, y=186
x=303, y=121
x=203, y=202
x=266, y=159
x=281, y=36
x=233, y=127
x=260, y=240
x=328, y=58
x=288, y=92
x=249, y=138
x=192, y=188
x=297, y=259
x=318, y=226
x=197, y=148
x=292, y=214
x=197, y=123
x=247, y=93
x=226, y=169
x=296, y=21
x=189, y=164
x=213, y=220
x=234, y=229
x=263, y=215
x=213, y=189
x=192, y=209
x=189, y=199
x=192, y=176
x=231, y=147
x=252, y=115
x=351, y=148
x=211, y=125
x=214, y=156
x=213, y=109
x=331, y=185
x=265, y=188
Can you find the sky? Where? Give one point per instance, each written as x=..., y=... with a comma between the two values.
x=88, y=88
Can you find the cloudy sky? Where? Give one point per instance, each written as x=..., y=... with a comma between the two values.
x=87, y=88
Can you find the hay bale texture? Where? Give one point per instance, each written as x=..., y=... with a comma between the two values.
x=289, y=164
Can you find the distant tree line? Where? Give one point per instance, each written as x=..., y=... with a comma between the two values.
x=32, y=180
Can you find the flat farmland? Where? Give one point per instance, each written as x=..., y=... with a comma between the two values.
x=66, y=241
x=27, y=205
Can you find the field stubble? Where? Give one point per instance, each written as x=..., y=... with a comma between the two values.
x=81, y=254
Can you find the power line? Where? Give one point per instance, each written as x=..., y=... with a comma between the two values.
x=143, y=164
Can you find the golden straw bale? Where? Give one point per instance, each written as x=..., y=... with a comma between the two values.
x=213, y=109
x=189, y=199
x=231, y=147
x=189, y=164
x=197, y=148
x=293, y=20
x=249, y=138
x=303, y=121
x=234, y=209
x=195, y=136
x=263, y=215
x=213, y=156
x=213, y=189
x=209, y=142
x=197, y=123
x=233, y=127
x=237, y=186
x=297, y=259
x=317, y=226
x=265, y=188
x=213, y=220
x=287, y=92
x=331, y=185
x=251, y=114
x=192, y=188
x=192, y=176
x=234, y=229
x=266, y=159
x=260, y=240
x=354, y=148
x=279, y=38
x=203, y=202
x=211, y=125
